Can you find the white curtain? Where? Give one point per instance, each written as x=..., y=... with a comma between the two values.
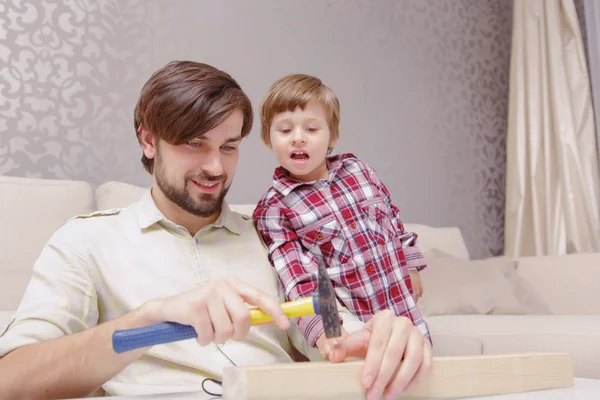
x=591, y=11
x=552, y=187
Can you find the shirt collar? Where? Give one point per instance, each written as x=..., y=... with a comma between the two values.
x=149, y=214
x=284, y=184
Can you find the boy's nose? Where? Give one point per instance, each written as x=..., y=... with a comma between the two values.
x=298, y=138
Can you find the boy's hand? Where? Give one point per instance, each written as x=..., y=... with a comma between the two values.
x=417, y=285
x=325, y=345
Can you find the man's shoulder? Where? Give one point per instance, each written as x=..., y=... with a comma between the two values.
x=79, y=226
x=112, y=218
x=99, y=213
x=109, y=215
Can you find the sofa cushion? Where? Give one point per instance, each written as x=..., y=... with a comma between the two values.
x=567, y=284
x=455, y=345
x=447, y=239
x=5, y=316
x=113, y=194
x=578, y=335
x=456, y=286
x=525, y=292
x=32, y=210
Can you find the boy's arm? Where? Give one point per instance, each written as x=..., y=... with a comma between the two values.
x=414, y=257
x=296, y=267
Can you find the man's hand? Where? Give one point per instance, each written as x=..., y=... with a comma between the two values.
x=217, y=311
x=397, y=355
x=417, y=285
x=325, y=345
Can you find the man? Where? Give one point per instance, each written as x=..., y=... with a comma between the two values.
x=179, y=254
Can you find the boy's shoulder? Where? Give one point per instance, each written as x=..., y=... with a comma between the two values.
x=350, y=160
x=270, y=198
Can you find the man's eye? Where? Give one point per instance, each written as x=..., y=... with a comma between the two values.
x=194, y=144
x=229, y=148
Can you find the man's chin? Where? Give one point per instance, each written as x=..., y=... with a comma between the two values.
x=207, y=205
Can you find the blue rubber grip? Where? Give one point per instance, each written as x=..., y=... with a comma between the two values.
x=165, y=332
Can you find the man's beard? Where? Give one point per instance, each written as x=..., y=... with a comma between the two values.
x=207, y=205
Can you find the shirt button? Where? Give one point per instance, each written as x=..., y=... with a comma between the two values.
x=372, y=268
x=353, y=225
x=319, y=236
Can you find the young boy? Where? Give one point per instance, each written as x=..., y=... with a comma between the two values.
x=331, y=208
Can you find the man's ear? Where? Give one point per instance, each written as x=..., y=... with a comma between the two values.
x=148, y=142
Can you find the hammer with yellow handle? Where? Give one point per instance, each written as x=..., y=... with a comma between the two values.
x=322, y=303
x=292, y=309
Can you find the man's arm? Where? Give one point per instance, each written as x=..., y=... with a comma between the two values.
x=70, y=366
x=77, y=364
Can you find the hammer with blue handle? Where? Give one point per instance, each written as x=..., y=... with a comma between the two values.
x=321, y=303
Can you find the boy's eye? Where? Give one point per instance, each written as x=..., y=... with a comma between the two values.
x=311, y=129
x=286, y=130
x=229, y=148
x=194, y=144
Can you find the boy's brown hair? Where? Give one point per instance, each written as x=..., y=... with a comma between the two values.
x=184, y=99
x=297, y=90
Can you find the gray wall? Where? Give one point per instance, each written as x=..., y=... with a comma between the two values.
x=423, y=86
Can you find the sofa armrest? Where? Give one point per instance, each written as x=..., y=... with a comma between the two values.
x=568, y=284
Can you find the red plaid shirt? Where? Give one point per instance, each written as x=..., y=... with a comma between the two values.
x=349, y=221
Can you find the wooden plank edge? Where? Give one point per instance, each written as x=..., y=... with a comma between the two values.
x=451, y=377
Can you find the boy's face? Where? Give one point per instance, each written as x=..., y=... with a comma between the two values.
x=300, y=140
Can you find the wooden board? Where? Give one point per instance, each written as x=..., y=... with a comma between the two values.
x=451, y=377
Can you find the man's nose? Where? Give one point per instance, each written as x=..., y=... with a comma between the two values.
x=212, y=164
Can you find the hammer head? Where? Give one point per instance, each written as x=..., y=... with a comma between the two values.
x=327, y=305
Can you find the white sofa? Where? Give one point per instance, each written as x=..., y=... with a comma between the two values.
x=32, y=209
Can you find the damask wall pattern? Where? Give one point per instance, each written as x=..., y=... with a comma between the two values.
x=66, y=68
x=423, y=86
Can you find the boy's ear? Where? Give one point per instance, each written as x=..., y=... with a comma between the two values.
x=267, y=142
x=332, y=143
x=148, y=142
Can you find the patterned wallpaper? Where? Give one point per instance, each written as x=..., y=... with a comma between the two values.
x=423, y=86
x=67, y=72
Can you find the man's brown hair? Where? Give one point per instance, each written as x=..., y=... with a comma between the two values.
x=184, y=99
x=297, y=90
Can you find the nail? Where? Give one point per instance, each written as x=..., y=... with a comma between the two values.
x=368, y=381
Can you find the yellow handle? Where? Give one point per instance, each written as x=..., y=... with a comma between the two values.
x=293, y=309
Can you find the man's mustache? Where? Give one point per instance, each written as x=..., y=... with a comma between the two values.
x=206, y=177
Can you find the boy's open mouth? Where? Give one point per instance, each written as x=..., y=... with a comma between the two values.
x=299, y=155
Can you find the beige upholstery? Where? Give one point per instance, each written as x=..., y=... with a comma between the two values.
x=33, y=209
x=447, y=239
x=117, y=195
x=497, y=334
x=568, y=284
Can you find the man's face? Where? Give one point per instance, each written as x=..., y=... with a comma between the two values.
x=196, y=175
